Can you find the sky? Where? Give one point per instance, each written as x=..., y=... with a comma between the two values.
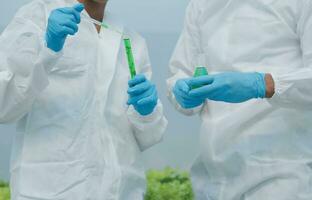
x=160, y=22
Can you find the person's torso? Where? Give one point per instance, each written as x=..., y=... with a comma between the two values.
x=246, y=148
x=249, y=36
x=78, y=127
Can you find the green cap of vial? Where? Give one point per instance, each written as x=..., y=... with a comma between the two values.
x=200, y=71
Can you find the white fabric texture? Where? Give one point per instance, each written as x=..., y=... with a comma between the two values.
x=260, y=149
x=78, y=139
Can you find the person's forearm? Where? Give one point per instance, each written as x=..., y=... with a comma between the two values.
x=270, y=86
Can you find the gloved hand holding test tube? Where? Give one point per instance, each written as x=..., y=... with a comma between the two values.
x=127, y=43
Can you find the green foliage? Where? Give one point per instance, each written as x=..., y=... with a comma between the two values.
x=3, y=184
x=168, y=184
x=4, y=191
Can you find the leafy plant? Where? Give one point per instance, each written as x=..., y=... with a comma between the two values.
x=4, y=191
x=169, y=184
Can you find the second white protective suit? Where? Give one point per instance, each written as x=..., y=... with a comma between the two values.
x=260, y=149
x=77, y=138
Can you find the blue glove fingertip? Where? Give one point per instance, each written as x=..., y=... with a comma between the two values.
x=129, y=102
x=79, y=7
x=183, y=86
x=130, y=91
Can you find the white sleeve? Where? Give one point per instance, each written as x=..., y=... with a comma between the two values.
x=24, y=62
x=148, y=130
x=294, y=89
x=186, y=49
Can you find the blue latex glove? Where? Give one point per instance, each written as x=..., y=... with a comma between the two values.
x=181, y=91
x=62, y=22
x=142, y=95
x=231, y=87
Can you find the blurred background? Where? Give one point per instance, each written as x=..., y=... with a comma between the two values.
x=160, y=22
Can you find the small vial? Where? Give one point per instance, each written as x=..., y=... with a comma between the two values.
x=200, y=70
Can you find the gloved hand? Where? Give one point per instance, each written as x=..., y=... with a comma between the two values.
x=181, y=91
x=231, y=87
x=142, y=95
x=62, y=22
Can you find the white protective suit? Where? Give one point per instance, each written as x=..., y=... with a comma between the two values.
x=260, y=149
x=78, y=139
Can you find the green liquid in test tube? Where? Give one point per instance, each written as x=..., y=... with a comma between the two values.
x=200, y=71
x=131, y=63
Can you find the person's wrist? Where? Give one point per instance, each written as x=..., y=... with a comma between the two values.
x=270, y=86
x=259, y=85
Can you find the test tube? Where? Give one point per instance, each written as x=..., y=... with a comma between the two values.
x=131, y=63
